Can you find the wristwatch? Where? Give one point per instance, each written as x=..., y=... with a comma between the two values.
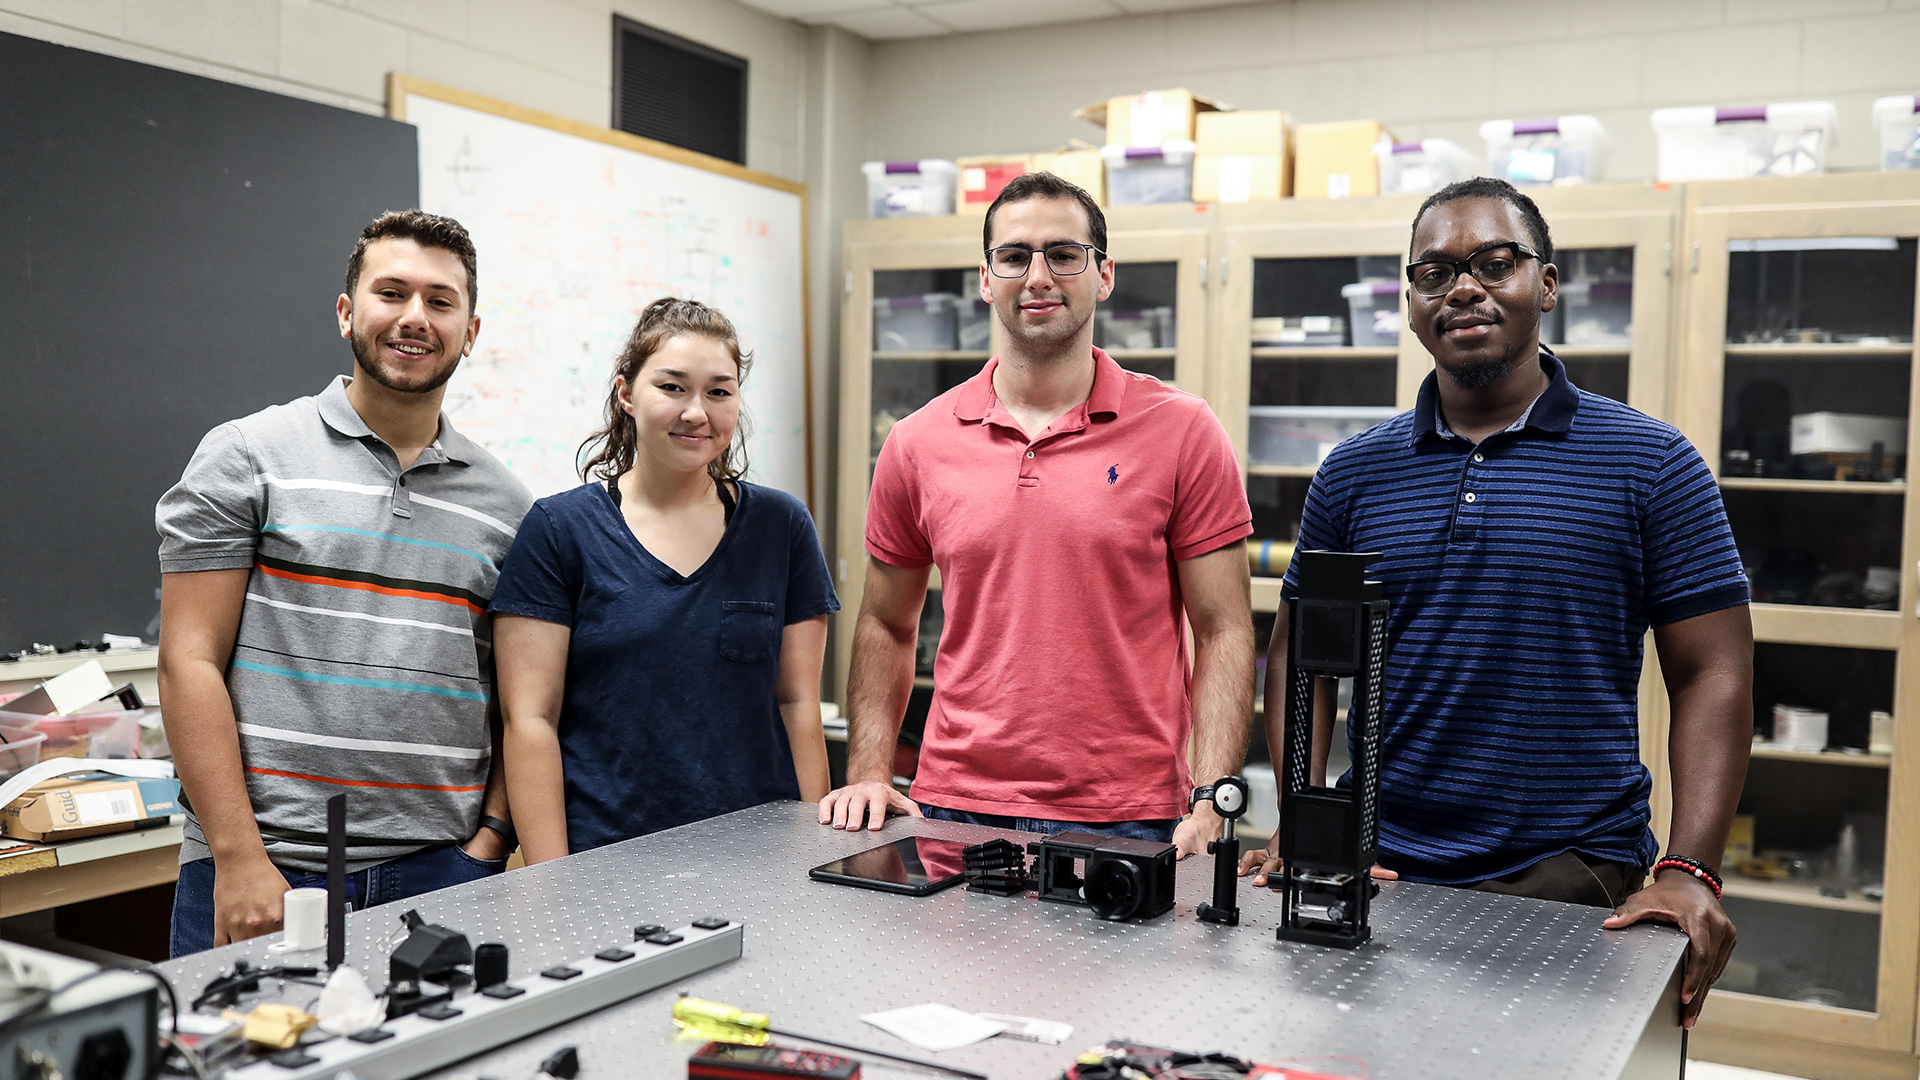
x=504, y=828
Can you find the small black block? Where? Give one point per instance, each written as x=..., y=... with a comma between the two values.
x=371, y=1035
x=711, y=922
x=504, y=991
x=561, y=973
x=645, y=930
x=663, y=938
x=295, y=1058
x=438, y=1012
x=615, y=955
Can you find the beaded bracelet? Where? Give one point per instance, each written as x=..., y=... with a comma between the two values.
x=1692, y=866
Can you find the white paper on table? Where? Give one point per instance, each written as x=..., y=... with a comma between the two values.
x=934, y=1027
x=139, y=768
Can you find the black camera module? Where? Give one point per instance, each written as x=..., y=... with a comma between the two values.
x=1130, y=879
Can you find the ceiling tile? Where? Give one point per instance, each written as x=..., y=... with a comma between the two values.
x=882, y=24
x=967, y=15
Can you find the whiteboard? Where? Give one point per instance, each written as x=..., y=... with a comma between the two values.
x=576, y=234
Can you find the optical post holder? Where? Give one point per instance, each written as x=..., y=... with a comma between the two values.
x=1337, y=627
x=1229, y=798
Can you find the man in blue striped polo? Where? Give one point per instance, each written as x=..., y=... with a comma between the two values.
x=325, y=571
x=1531, y=533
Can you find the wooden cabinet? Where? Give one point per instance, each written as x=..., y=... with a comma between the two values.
x=1797, y=385
x=1727, y=309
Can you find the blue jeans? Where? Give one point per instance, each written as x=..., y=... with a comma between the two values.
x=1160, y=829
x=410, y=875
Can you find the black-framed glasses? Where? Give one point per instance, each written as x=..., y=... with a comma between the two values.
x=1491, y=265
x=1063, y=260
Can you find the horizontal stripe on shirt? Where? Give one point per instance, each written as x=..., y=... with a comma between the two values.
x=350, y=680
x=377, y=746
x=283, y=774
x=418, y=624
x=379, y=536
x=370, y=582
x=382, y=491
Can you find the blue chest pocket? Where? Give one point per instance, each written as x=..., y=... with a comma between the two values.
x=749, y=630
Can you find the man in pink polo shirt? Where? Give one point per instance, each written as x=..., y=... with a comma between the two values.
x=1082, y=517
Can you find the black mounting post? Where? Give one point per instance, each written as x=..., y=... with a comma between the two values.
x=1329, y=837
x=336, y=881
x=1229, y=798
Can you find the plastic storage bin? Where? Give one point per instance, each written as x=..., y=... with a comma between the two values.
x=907, y=323
x=95, y=735
x=1151, y=328
x=910, y=188
x=1708, y=143
x=1144, y=175
x=1421, y=167
x=1898, y=120
x=1305, y=434
x=1596, y=312
x=19, y=748
x=1556, y=150
x=1375, y=308
x=976, y=325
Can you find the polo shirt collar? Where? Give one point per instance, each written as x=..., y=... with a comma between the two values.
x=1552, y=411
x=339, y=414
x=976, y=395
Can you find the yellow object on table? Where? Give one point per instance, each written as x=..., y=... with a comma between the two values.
x=277, y=1026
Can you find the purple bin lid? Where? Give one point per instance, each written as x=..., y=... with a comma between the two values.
x=1144, y=152
x=902, y=167
x=1916, y=103
x=1549, y=126
x=1739, y=113
x=1408, y=147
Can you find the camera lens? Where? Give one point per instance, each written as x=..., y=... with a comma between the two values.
x=1115, y=889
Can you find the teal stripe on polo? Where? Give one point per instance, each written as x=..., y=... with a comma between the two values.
x=378, y=536
x=348, y=680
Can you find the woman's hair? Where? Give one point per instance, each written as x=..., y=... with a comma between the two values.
x=610, y=451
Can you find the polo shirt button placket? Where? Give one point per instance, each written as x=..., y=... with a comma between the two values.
x=1029, y=476
x=402, y=504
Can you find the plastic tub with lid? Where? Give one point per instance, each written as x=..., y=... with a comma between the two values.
x=1146, y=175
x=1898, y=121
x=1421, y=167
x=1731, y=143
x=922, y=188
x=1552, y=150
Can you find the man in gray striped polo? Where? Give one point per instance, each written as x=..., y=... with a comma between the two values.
x=326, y=566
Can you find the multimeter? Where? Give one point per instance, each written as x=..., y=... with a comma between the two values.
x=737, y=1061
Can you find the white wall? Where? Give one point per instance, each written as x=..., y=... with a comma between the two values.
x=1425, y=68
x=553, y=55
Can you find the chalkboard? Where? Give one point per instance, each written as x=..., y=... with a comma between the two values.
x=578, y=229
x=170, y=251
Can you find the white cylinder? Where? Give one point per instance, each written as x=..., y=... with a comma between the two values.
x=305, y=919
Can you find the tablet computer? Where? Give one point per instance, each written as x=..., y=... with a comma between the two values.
x=913, y=865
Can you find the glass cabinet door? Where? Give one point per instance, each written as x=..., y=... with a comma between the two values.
x=1155, y=322
x=1798, y=389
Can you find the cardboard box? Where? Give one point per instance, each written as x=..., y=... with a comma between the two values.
x=983, y=178
x=93, y=804
x=1079, y=165
x=1243, y=157
x=1149, y=119
x=1334, y=161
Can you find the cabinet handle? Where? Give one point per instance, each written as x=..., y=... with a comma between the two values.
x=1695, y=268
x=849, y=283
x=1203, y=271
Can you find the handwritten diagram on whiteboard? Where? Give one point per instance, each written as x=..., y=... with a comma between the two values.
x=575, y=237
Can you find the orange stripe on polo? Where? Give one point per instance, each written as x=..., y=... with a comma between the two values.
x=364, y=586
x=360, y=783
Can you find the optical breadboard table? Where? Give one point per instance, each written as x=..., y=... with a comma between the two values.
x=1454, y=984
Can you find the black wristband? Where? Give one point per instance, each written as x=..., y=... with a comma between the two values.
x=504, y=828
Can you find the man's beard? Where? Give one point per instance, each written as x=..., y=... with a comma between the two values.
x=366, y=356
x=1480, y=375
x=1048, y=339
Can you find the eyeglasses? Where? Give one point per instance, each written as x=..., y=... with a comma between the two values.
x=1491, y=265
x=1063, y=260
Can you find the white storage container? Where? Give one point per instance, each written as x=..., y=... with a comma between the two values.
x=976, y=325
x=19, y=748
x=1555, y=150
x=1304, y=331
x=1709, y=143
x=1846, y=433
x=1898, y=120
x=910, y=188
x=1305, y=434
x=1375, y=308
x=1424, y=166
x=1150, y=328
x=1596, y=312
x=1144, y=175
x=910, y=323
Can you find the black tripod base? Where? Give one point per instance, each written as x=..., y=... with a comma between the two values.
x=1223, y=916
x=1344, y=938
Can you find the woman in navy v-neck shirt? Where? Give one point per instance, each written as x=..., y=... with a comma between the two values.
x=659, y=630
